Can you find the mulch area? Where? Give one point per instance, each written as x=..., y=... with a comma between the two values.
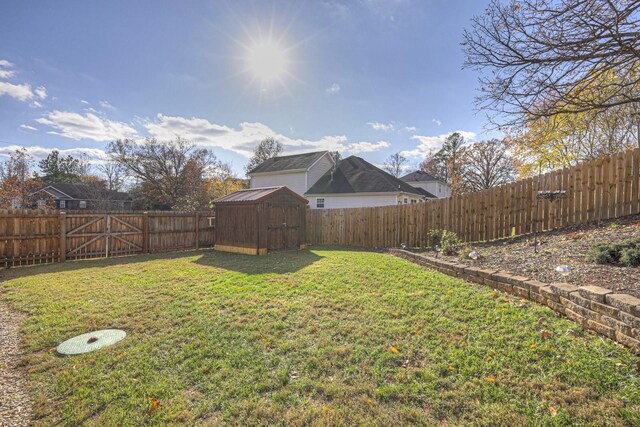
x=15, y=408
x=567, y=246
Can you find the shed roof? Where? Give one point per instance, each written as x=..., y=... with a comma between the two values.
x=285, y=163
x=355, y=175
x=426, y=193
x=254, y=195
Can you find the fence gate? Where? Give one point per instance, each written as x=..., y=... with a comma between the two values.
x=102, y=235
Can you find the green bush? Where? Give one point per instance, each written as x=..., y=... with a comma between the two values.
x=626, y=253
x=448, y=241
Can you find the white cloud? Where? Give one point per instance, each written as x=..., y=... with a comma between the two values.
x=41, y=92
x=106, y=104
x=428, y=143
x=386, y=127
x=5, y=74
x=437, y=122
x=27, y=127
x=21, y=92
x=367, y=147
x=410, y=128
x=89, y=126
x=82, y=101
x=242, y=141
x=334, y=88
x=37, y=152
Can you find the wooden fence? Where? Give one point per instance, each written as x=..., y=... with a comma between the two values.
x=34, y=237
x=596, y=190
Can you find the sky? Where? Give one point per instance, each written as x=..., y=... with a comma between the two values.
x=364, y=77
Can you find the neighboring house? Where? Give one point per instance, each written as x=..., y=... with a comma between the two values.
x=80, y=196
x=357, y=183
x=297, y=172
x=429, y=183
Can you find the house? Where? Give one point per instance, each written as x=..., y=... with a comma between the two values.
x=298, y=172
x=81, y=196
x=357, y=183
x=429, y=183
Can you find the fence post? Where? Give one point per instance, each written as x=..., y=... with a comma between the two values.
x=63, y=236
x=145, y=232
x=197, y=230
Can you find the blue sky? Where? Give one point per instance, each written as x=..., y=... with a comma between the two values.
x=365, y=77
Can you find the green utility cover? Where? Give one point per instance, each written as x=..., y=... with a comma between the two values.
x=90, y=342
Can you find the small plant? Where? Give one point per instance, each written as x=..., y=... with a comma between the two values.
x=626, y=253
x=448, y=241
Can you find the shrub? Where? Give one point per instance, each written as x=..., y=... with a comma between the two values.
x=448, y=241
x=602, y=254
x=626, y=253
x=630, y=257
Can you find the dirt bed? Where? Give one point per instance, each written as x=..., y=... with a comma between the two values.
x=15, y=409
x=567, y=246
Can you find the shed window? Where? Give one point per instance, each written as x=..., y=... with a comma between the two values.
x=83, y=204
x=405, y=201
x=414, y=201
x=63, y=204
x=320, y=202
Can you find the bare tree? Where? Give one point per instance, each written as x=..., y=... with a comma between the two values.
x=395, y=164
x=544, y=57
x=113, y=173
x=487, y=165
x=170, y=172
x=266, y=149
x=434, y=166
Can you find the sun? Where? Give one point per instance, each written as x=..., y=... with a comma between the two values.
x=267, y=61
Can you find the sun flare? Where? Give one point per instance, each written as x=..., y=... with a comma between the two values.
x=267, y=61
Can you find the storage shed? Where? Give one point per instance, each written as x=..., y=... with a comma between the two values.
x=258, y=220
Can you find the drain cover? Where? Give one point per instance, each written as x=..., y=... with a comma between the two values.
x=90, y=342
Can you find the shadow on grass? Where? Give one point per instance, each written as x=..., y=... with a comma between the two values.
x=279, y=262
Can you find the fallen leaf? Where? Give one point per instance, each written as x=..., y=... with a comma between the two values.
x=65, y=372
x=75, y=367
x=494, y=352
x=533, y=346
x=154, y=404
x=395, y=314
x=452, y=369
x=394, y=350
x=489, y=358
x=552, y=411
x=490, y=379
x=545, y=333
x=326, y=408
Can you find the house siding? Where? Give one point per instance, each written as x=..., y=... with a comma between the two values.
x=293, y=181
x=439, y=189
x=318, y=169
x=361, y=200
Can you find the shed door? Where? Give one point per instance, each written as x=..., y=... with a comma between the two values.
x=284, y=228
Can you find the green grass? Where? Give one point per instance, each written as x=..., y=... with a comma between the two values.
x=303, y=338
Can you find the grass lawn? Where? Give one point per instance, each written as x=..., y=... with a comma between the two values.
x=325, y=336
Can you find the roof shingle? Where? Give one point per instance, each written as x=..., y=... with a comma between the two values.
x=285, y=163
x=355, y=175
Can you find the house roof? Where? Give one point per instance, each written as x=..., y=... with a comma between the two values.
x=287, y=163
x=426, y=193
x=419, y=176
x=83, y=192
x=256, y=194
x=355, y=175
